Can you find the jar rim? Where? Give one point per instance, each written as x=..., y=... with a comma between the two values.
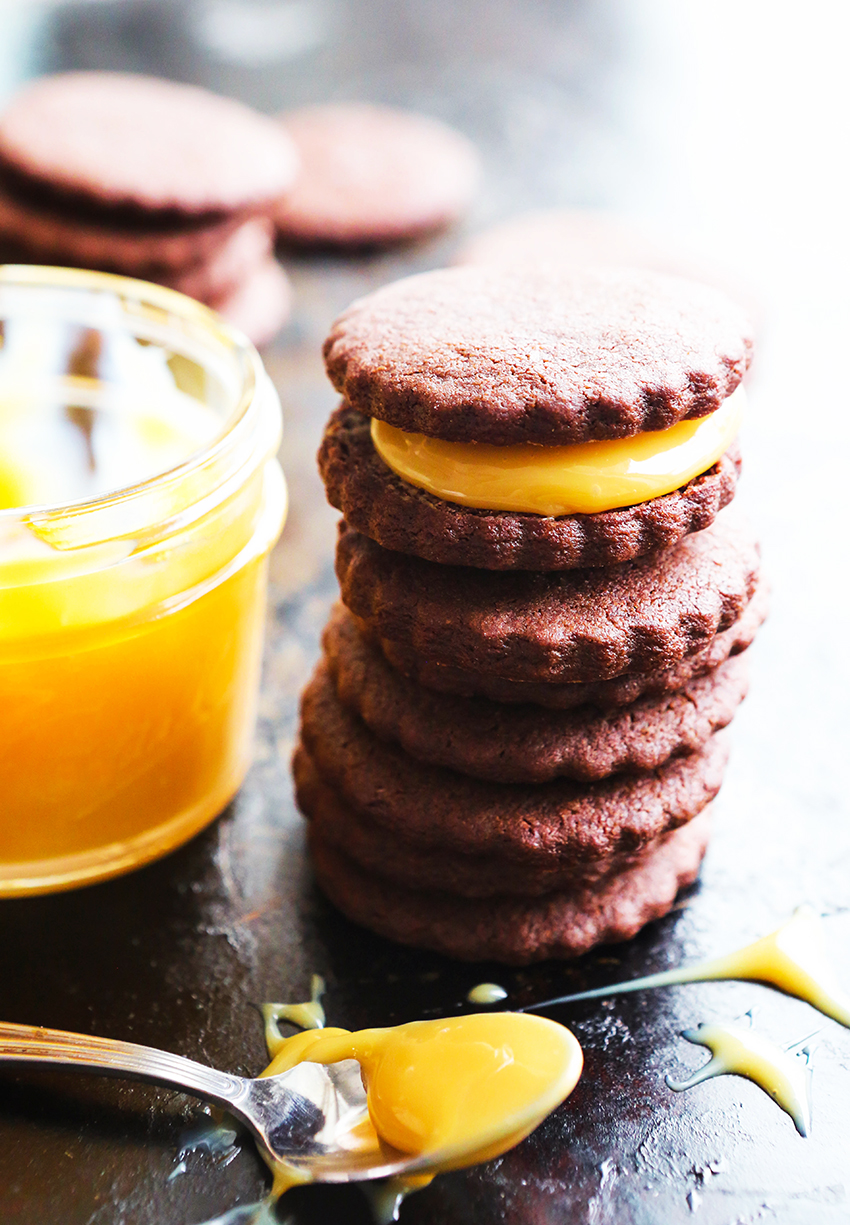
x=249, y=431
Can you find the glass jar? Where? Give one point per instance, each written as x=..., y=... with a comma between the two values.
x=131, y=623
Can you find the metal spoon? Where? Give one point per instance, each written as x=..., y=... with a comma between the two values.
x=304, y=1117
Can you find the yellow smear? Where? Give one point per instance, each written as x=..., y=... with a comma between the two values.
x=784, y=1074
x=792, y=958
x=583, y=478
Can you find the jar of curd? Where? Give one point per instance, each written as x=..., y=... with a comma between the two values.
x=139, y=499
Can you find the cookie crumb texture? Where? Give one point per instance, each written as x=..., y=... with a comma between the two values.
x=507, y=355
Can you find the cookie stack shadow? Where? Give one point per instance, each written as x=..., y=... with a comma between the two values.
x=511, y=743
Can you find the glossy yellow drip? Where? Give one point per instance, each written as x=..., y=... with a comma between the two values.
x=486, y=993
x=583, y=478
x=784, y=1074
x=792, y=958
x=309, y=1015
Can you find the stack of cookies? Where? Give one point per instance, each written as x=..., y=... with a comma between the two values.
x=510, y=746
x=151, y=179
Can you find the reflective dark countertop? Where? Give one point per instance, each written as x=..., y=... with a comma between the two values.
x=690, y=116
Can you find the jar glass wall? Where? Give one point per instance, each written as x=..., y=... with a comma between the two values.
x=131, y=622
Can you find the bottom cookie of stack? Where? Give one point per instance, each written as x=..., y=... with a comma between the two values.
x=477, y=869
x=516, y=930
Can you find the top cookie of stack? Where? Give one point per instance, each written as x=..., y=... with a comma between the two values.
x=509, y=748
x=149, y=178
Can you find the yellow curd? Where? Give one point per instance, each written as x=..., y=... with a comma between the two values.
x=583, y=478
x=453, y=1092
x=139, y=497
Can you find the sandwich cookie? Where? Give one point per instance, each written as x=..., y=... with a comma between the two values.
x=148, y=178
x=389, y=507
x=121, y=146
x=511, y=745
x=514, y=356
x=418, y=866
x=563, y=822
x=29, y=234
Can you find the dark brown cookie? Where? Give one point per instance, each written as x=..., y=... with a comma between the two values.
x=372, y=175
x=516, y=931
x=116, y=142
x=525, y=744
x=506, y=355
x=419, y=866
x=573, y=625
x=539, y=825
x=603, y=695
x=32, y=235
x=400, y=516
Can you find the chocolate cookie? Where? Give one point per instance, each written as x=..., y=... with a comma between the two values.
x=516, y=931
x=419, y=866
x=506, y=355
x=111, y=142
x=400, y=516
x=602, y=695
x=29, y=234
x=525, y=744
x=574, y=625
x=372, y=175
x=536, y=824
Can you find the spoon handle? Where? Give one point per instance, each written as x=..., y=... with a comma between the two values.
x=34, y=1045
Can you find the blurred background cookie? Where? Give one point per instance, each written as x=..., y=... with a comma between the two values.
x=373, y=176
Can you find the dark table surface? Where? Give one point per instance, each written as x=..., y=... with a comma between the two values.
x=722, y=125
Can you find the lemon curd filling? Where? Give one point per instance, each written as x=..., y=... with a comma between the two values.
x=454, y=1092
x=582, y=478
